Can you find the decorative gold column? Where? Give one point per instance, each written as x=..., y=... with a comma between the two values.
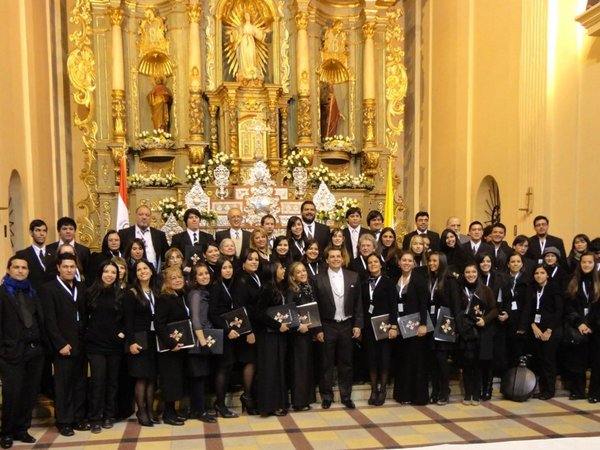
x=233, y=126
x=196, y=145
x=303, y=73
x=214, y=143
x=283, y=112
x=273, y=132
x=369, y=111
x=118, y=79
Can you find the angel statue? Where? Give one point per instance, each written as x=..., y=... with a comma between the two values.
x=246, y=50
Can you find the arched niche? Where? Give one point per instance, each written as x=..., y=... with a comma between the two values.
x=487, y=203
x=15, y=211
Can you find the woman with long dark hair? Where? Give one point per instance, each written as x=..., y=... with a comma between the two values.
x=272, y=338
x=379, y=297
x=443, y=292
x=582, y=313
x=455, y=254
x=247, y=291
x=282, y=251
x=410, y=380
x=135, y=251
x=336, y=240
x=222, y=301
x=312, y=259
x=198, y=299
x=297, y=237
x=300, y=292
x=111, y=244
x=544, y=312
x=211, y=255
x=387, y=248
x=104, y=339
x=579, y=246
x=138, y=312
x=475, y=318
x=171, y=307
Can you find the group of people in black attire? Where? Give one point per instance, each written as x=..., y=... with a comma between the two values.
x=62, y=305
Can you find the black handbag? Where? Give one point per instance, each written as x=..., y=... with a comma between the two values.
x=572, y=336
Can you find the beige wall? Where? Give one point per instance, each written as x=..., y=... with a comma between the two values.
x=512, y=91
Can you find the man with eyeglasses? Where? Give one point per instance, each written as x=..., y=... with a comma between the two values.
x=241, y=238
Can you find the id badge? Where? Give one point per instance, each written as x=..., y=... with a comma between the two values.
x=371, y=309
x=400, y=307
x=513, y=306
x=538, y=318
x=586, y=311
x=152, y=326
x=432, y=309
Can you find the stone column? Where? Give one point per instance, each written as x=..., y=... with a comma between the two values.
x=369, y=111
x=118, y=78
x=196, y=145
x=303, y=73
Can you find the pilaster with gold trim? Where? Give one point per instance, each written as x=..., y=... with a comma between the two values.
x=119, y=109
x=303, y=74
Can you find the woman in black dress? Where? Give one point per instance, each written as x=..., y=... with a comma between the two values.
x=312, y=259
x=211, y=255
x=104, y=339
x=111, y=244
x=544, y=310
x=171, y=307
x=512, y=322
x=455, y=254
x=336, y=240
x=272, y=338
x=417, y=248
x=198, y=360
x=138, y=314
x=300, y=292
x=520, y=245
x=558, y=274
x=135, y=251
x=260, y=242
x=475, y=321
x=379, y=297
x=494, y=280
x=443, y=291
x=281, y=251
x=387, y=247
x=581, y=302
x=410, y=380
x=246, y=294
x=222, y=301
x=296, y=237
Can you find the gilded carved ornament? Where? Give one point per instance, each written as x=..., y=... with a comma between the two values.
x=284, y=39
x=153, y=46
x=115, y=15
x=369, y=30
x=302, y=20
x=334, y=55
x=194, y=12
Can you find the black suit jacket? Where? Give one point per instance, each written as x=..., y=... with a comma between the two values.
x=38, y=275
x=83, y=257
x=12, y=326
x=502, y=255
x=183, y=240
x=484, y=247
x=321, y=234
x=434, y=240
x=352, y=297
x=226, y=234
x=348, y=240
x=159, y=242
x=383, y=302
x=60, y=311
x=169, y=308
x=535, y=251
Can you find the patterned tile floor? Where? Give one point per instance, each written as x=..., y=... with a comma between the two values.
x=389, y=426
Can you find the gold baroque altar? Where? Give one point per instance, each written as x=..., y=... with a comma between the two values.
x=169, y=84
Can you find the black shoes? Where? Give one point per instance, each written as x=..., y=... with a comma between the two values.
x=206, y=418
x=6, y=442
x=248, y=405
x=96, y=428
x=24, y=437
x=326, y=403
x=348, y=403
x=82, y=426
x=66, y=431
x=145, y=422
x=593, y=400
x=543, y=395
x=576, y=397
x=174, y=421
x=373, y=398
x=224, y=412
x=108, y=423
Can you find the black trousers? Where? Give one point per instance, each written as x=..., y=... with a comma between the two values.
x=20, y=387
x=336, y=350
x=104, y=384
x=70, y=384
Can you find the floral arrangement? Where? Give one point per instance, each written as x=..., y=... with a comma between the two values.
x=295, y=158
x=205, y=173
x=168, y=206
x=155, y=139
x=338, y=213
x=159, y=179
x=208, y=215
x=339, y=180
x=339, y=143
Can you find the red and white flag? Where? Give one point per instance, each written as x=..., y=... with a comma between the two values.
x=122, y=210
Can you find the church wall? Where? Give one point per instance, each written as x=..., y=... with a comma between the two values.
x=511, y=91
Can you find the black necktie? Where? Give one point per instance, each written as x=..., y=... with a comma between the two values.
x=195, y=238
x=42, y=258
x=372, y=282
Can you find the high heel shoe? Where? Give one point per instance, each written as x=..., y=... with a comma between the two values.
x=145, y=422
x=248, y=405
x=225, y=412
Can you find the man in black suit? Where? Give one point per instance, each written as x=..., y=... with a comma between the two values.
x=66, y=232
x=353, y=231
x=340, y=307
x=241, y=238
x=476, y=246
x=38, y=256
x=64, y=303
x=422, y=228
x=375, y=223
x=21, y=354
x=155, y=240
x=312, y=228
x=191, y=241
x=268, y=223
x=502, y=250
x=542, y=239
